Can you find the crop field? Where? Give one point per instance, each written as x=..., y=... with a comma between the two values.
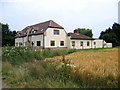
x=94, y=68
x=94, y=65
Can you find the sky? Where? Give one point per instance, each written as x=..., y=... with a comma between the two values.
x=97, y=15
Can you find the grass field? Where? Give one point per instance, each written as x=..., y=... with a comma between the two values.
x=96, y=68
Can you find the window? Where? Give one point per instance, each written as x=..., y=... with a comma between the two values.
x=32, y=43
x=73, y=43
x=88, y=43
x=61, y=43
x=38, y=43
x=56, y=32
x=32, y=32
x=16, y=44
x=81, y=43
x=42, y=29
x=18, y=34
x=94, y=43
x=20, y=44
x=24, y=33
x=52, y=43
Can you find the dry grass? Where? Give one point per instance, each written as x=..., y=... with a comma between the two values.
x=102, y=63
x=94, y=68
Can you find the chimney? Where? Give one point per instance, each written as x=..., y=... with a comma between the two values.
x=76, y=31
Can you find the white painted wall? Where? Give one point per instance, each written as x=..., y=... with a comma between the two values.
x=33, y=38
x=21, y=40
x=18, y=40
x=49, y=36
x=24, y=41
x=99, y=43
x=77, y=44
x=109, y=45
x=36, y=38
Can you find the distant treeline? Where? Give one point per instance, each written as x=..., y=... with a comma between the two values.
x=110, y=35
x=8, y=36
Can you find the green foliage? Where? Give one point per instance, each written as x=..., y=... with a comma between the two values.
x=72, y=50
x=7, y=36
x=45, y=75
x=87, y=32
x=65, y=73
x=18, y=55
x=34, y=75
x=112, y=35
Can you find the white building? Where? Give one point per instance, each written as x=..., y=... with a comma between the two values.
x=51, y=35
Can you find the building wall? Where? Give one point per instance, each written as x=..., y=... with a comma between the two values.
x=23, y=40
x=92, y=44
x=78, y=46
x=99, y=43
x=35, y=38
x=18, y=40
x=68, y=42
x=49, y=36
x=108, y=45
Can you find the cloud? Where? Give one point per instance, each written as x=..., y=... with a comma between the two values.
x=71, y=14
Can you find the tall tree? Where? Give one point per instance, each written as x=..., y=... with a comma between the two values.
x=112, y=35
x=87, y=32
x=7, y=36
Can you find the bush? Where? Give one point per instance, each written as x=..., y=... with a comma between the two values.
x=18, y=55
x=71, y=51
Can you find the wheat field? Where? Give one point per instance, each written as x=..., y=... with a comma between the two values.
x=102, y=63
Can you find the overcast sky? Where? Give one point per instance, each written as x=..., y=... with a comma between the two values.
x=97, y=15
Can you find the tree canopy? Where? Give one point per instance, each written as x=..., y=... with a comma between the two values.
x=112, y=35
x=87, y=32
x=8, y=36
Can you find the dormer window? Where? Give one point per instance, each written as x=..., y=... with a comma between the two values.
x=56, y=32
x=18, y=34
x=77, y=33
x=42, y=29
x=32, y=32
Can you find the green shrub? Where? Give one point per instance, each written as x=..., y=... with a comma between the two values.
x=18, y=55
x=71, y=51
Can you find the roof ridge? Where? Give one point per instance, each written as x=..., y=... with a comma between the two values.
x=50, y=22
x=43, y=25
x=84, y=35
x=40, y=23
x=80, y=36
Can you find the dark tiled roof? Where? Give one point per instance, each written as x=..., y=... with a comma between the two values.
x=19, y=32
x=79, y=36
x=41, y=27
